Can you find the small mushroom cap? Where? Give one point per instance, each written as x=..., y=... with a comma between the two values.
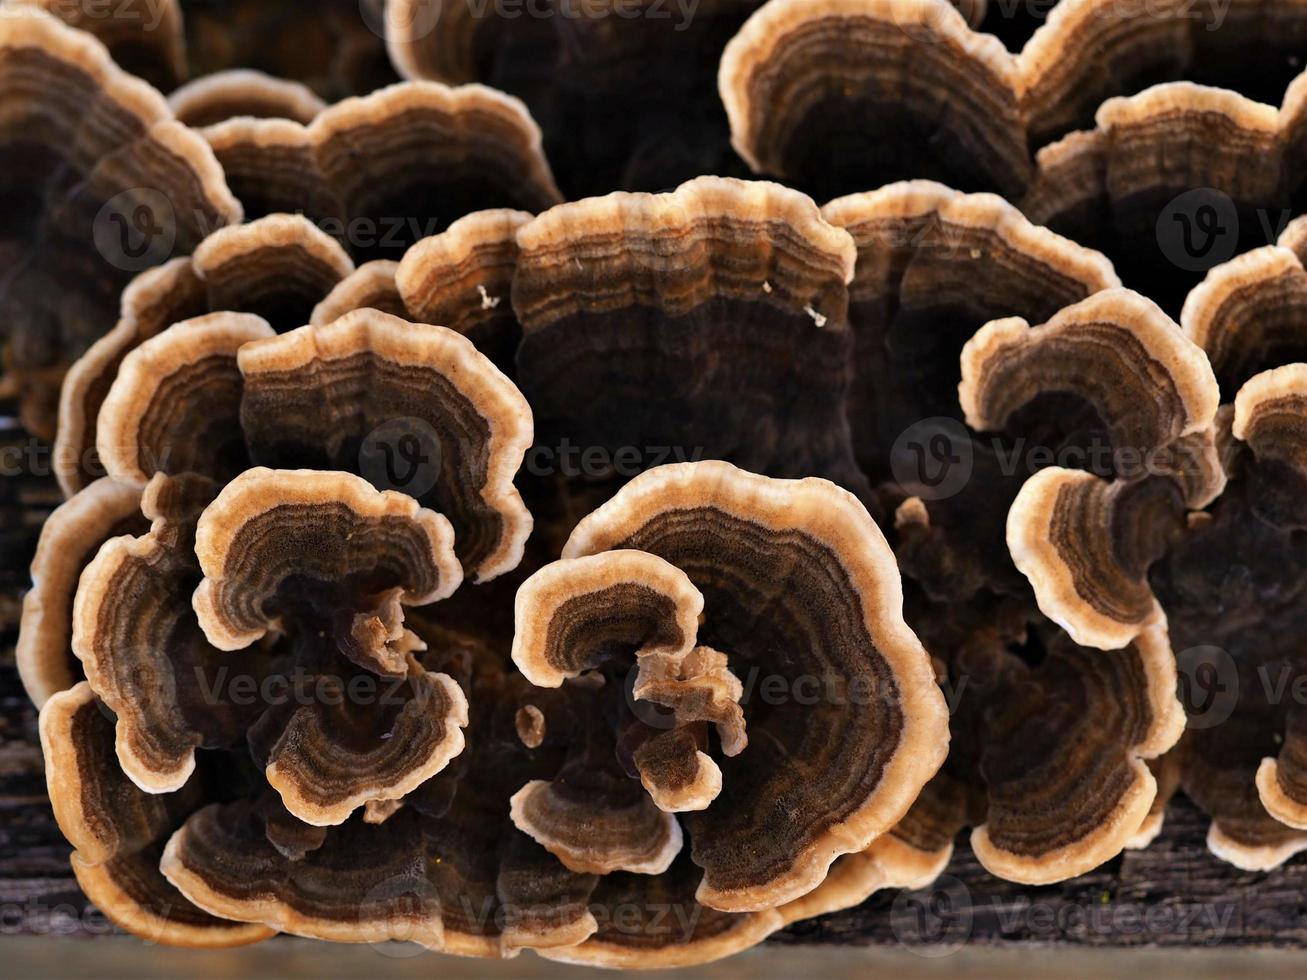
x=118, y=830
x=1246, y=314
x=370, y=383
x=277, y=267
x=640, y=838
x=1125, y=699
x=463, y=279
x=141, y=650
x=370, y=286
x=321, y=525
x=1060, y=531
x=636, y=298
x=175, y=404
x=574, y=615
x=69, y=540
x=1085, y=544
x=1270, y=416
x=224, y=95
x=806, y=82
x=752, y=546
x=1115, y=350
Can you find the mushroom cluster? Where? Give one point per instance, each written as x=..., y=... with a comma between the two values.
x=624, y=572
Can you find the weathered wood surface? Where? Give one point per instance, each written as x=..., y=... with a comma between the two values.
x=1172, y=894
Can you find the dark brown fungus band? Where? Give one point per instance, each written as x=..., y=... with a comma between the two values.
x=799, y=567
x=388, y=169
x=322, y=397
x=278, y=267
x=144, y=37
x=332, y=46
x=225, y=95
x=624, y=90
x=91, y=160
x=1128, y=380
x=118, y=831
x=69, y=540
x=711, y=322
x=811, y=87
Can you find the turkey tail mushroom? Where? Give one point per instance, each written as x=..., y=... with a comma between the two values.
x=104, y=183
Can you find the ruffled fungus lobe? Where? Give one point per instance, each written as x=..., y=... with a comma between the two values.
x=1251, y=539
x=347, y=540
x=1121, y=702
x=812, y=87
x=1091, y=50
x=1170, y=183
x=99, y=182
x=144, y=37
x=69, y=540
x=118, y=831
x=1246, y=313
x=216, y=98
x=314, y=396
x=623, y=90
x=933, y=267
x=711, y=322
x=799, y=567
x=175, y=405
x=579, y=616
x=393, y=167
x=463, y=279
x=278, y=268
x=1086, y=544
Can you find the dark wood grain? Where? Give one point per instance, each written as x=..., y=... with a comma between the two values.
x=1172, y=894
